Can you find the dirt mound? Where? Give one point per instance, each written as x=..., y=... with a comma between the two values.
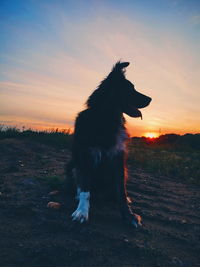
x=34, y=235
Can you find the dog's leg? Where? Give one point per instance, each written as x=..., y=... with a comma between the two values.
x=81, y=214
x=127, y=215
x=84, y=174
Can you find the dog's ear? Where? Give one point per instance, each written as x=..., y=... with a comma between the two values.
x=103, y=95
x=122, y=65
x=118, y=70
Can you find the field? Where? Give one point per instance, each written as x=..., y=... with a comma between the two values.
x=163, y=187
x=178, y=160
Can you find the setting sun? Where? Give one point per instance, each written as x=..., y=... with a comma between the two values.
x=151, y=135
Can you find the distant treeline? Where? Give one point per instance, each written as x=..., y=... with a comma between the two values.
x=64, y=137
x=189, y=140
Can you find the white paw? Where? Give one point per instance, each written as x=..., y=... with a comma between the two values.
x=80, y=215
x=82, y=211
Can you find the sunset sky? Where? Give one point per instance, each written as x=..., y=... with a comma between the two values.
x=55, y=53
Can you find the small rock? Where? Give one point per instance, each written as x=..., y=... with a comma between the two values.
x=54, y=205
x=53, y=193
x=125, y=239
x=177, y=261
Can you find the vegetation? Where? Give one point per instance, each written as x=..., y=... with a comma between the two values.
x=50, y=137
x=170, y=155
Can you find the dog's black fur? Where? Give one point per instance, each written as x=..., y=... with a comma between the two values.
x=99, y=155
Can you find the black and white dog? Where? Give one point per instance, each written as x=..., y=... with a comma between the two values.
x=99, y=153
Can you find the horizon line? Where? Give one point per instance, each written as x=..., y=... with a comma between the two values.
x=70, y=131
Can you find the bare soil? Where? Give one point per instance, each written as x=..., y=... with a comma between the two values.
x=33, y=235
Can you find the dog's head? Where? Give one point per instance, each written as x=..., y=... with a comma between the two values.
x=116, y=92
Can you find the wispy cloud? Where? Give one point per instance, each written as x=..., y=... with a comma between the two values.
x=195, y=19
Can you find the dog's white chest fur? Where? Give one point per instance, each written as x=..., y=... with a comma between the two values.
x=120, y=143
x=121, y=138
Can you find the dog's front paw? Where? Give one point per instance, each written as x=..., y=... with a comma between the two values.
x=80, y=215
x=133, y=219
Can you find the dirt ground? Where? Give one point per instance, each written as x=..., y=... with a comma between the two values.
x=33, y=235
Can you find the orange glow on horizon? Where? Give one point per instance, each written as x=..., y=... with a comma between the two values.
x=37, y=125
x=151, y=135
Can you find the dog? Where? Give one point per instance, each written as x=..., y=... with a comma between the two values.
x=99, y=145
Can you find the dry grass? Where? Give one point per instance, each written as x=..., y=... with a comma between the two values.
x=176, y=161
x=169, y=155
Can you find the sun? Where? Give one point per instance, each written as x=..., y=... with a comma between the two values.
x=151, y=135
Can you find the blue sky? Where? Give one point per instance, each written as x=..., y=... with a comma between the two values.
x=53, y=54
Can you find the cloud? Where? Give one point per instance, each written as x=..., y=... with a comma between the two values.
x=195, y=19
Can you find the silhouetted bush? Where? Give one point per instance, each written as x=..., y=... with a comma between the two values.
x=50, y=137
x=172, y=141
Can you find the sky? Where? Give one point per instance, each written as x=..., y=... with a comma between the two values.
x=53, y=54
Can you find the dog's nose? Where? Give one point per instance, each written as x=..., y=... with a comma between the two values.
x=149, y=99
x=144, y=101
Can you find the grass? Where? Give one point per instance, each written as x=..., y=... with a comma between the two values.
x=50, y=137
x=169, y=155
x=173, y=160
